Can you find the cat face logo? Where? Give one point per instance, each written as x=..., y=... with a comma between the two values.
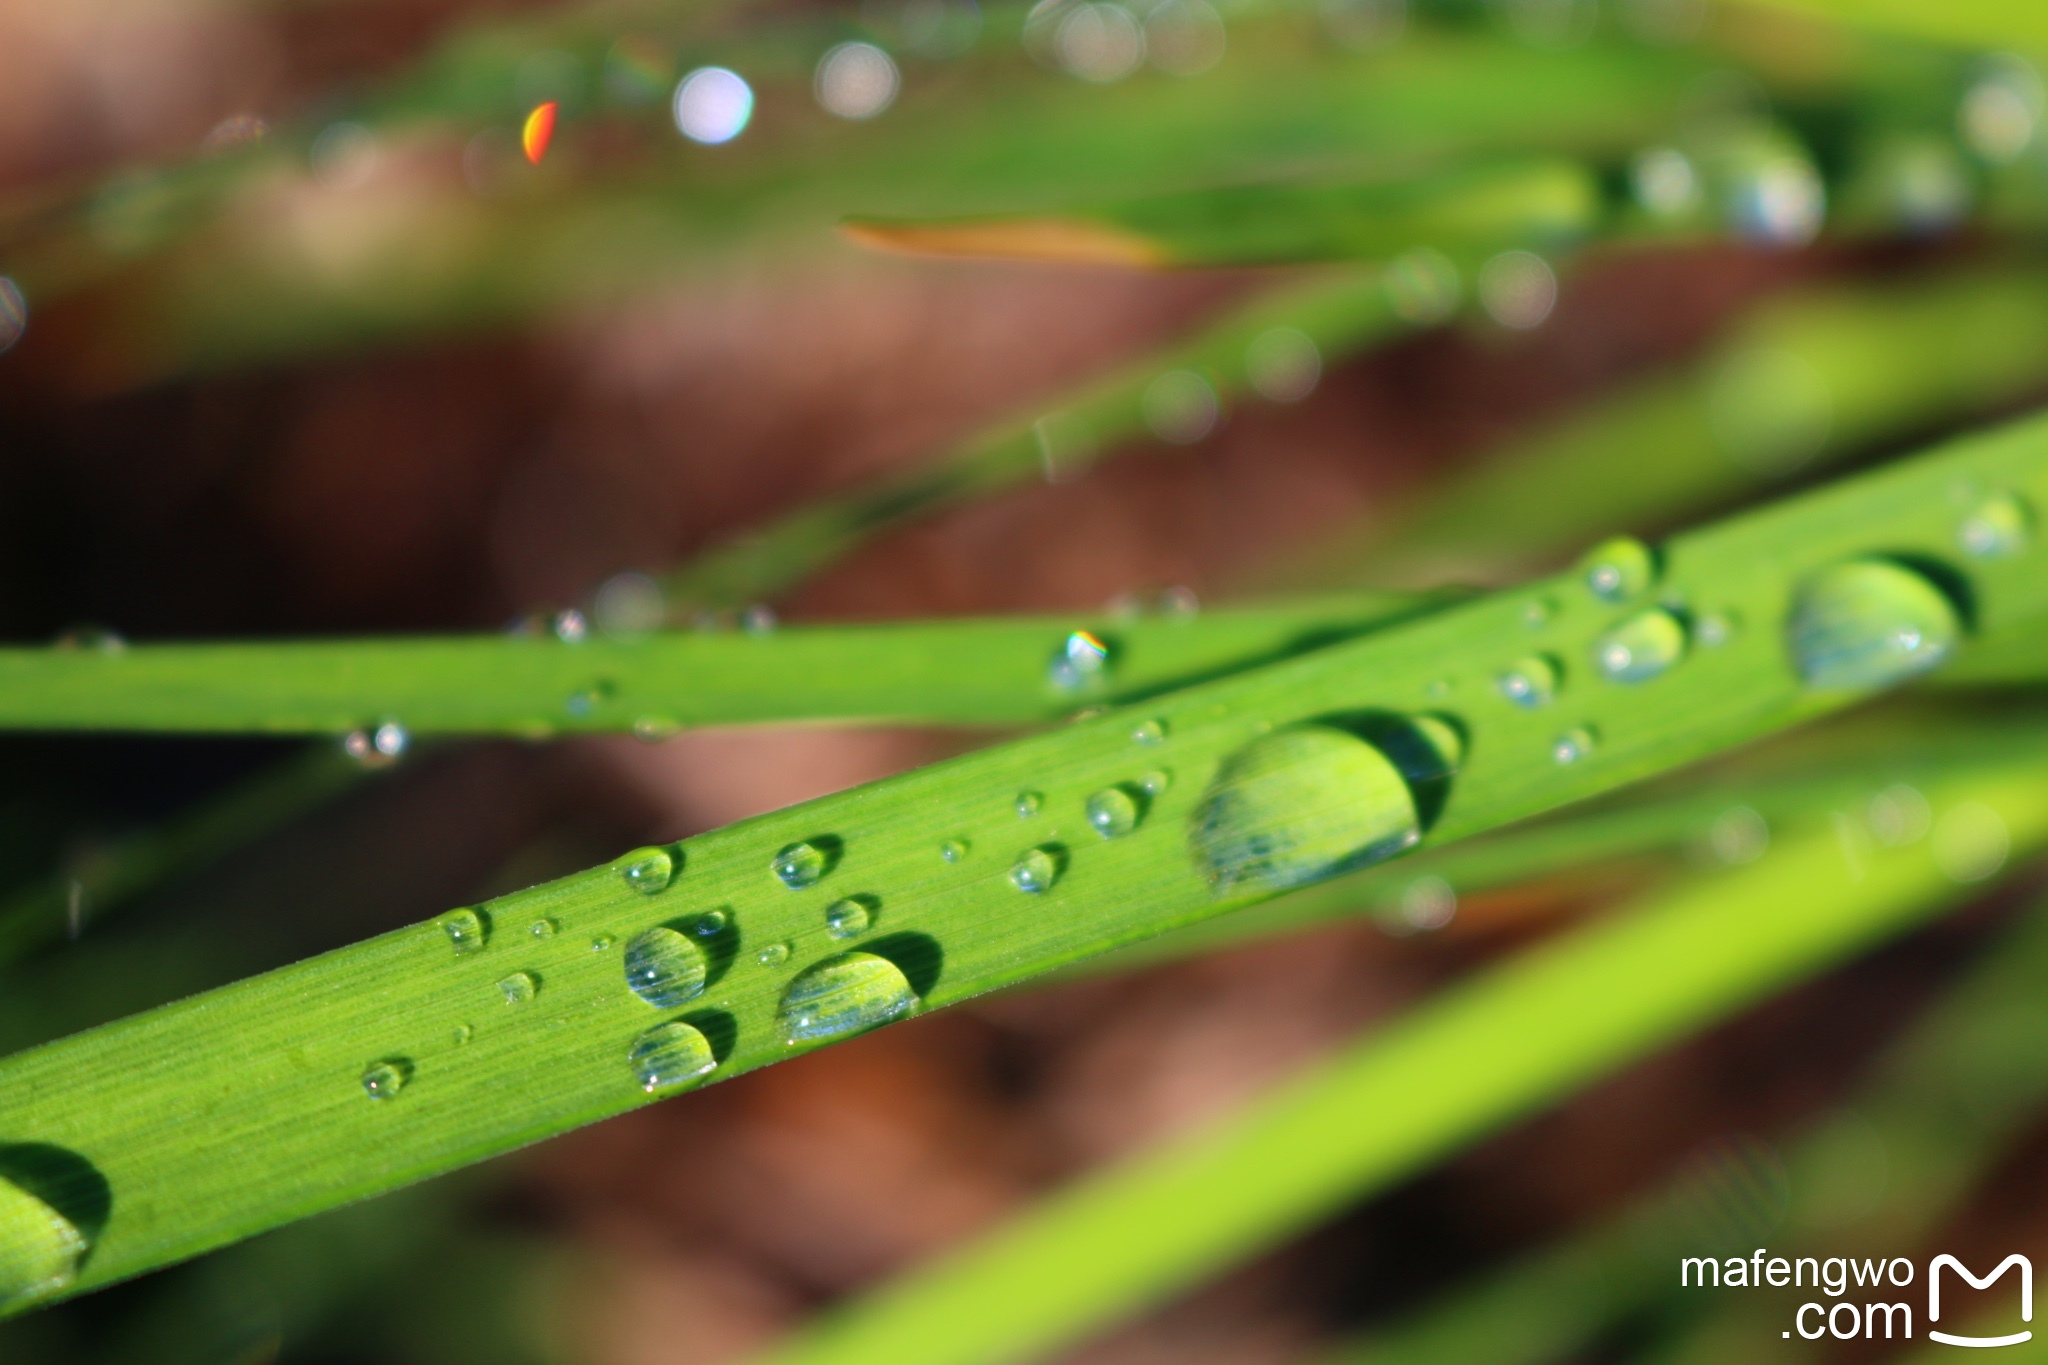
x=2026, y=1268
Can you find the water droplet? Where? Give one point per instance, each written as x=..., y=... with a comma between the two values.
x=801, y=865
x=669, y=1055
x=772, y=954
x=1180, y=603
x=1153, y=783
x=1428, y=903
x=543, y=928
x=382, y=1080
x=664, y=968
x=1028, y=804
x=1573, y=746
x=843, y=995
x=1443, y=750
x=462, y=1034
x=1971, y=842
x=602, y=943
x=1439, y=688
x=570, y=627
x=1715, y=628
x=1529, y=682
x=1900, y=815
x=709, y=924
x=953, y=850
x=1998, y=528
x=518, y=988
x=655, y=729
x=40, y=1248
x=1149, y=732
x=1113, y=812
x=390, y=739
x=467, y=930
x=848, y=918
x=93, y=639
x=361, y=745
x=1619, y=570
x=1538, y=613
x=1739, y=836
x=647, y=870
x=759, y=619
x=1035, y=870
x=1868, y=623
x=1299, y=805
x=1081, y=660
x=1643, y=647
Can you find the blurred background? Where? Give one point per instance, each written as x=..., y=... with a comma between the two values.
x=317, y=325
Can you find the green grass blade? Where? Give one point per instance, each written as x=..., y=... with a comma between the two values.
x=994, y=671
x=1462, y=1064
x=530, y=1035
x=1965, y=23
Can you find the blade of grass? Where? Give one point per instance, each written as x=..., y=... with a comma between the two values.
x=1458, y=1067
x=1966, y=23
x=529, y=1036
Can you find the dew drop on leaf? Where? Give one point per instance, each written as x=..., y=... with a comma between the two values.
x=601, y=943
x=953, y=850
x=1999, y=527
x=1113, y=812
x=844, y=995
x=772, y=954
x=800, y=865
x=543, y=928
x=518, y=988
x=848, y=918
x=1028, y=804
x=1081, y=660
x=382, y=1080
x=664, y=968
x=1153, y=783
x=1645, y=646
x=40, y=1249
x=1868, y=623
x=1299, y=805
x=648, y=870
x=466, y=930
x=1035, y=870
x=1529, y=682
x=1619, y=570
x=1573, y=746
x=669, y=1055
x=1149, y=732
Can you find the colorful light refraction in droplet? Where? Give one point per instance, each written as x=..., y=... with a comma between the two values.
x=539, y=131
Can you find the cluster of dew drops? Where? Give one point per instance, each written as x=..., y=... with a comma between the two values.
x=669, y=965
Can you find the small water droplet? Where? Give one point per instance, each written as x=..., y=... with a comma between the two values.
x=1299, y=805
x=848, y=918
x=462, y=1034
x=1971, y=842
x=800, y=865
x=40, y=1249
x=518, y=988
x=1113, y=812
x=1035, y=870
x=772, y=954
x=1900, y=815
x=467, y=930
x=655, y=729
x=664, y=968
x=759, y=619
x=1619, y=570
x=1082, y=659
x=390, y=739
x=1739, y=836
x=361, y=745
x=844, y=995
x=1868, y=623
x=647, y=870
x=669, y=1055
x=1998, y=528
x=570, y=627
x=1153, y=783
x=1439, y=688
x=953, y=850
x=1643, y=647
x=1180, y=603
x=1536, y=614
x=1028, y=804
x=96, y=639
x=382, y=1080
x=709, y=924
x=1715, y=628
x=1428, y=903
x=1149, y=732
x=543, y=928
x=1573, y=746
x=602, y=943
x=1529, y=682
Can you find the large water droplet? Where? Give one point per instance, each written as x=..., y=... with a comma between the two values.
x=801, y=865
x=648, y=870
x=1035, y=870
x=1620, y=569
x=1113, y=812
x=1868, y=623
x=518, y=988
x=1529, y=682
x=848, y=918
x=669, y=1055
x=1643, y=647
x=843, y=995
x=664, y=968
x=1301, y=804
x=39, y=1247
x=1082, y=659
x=1997, y=528
x=382, y=1080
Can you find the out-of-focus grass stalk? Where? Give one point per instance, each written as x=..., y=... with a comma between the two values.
x=1965, y=23
x=1462, y=1065
x=1805, y=381
x=1876, y=1175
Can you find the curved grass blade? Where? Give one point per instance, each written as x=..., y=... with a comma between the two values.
x=1463, y=1064
x=994, y=671
x=434, y=1046
x=1469, y=209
